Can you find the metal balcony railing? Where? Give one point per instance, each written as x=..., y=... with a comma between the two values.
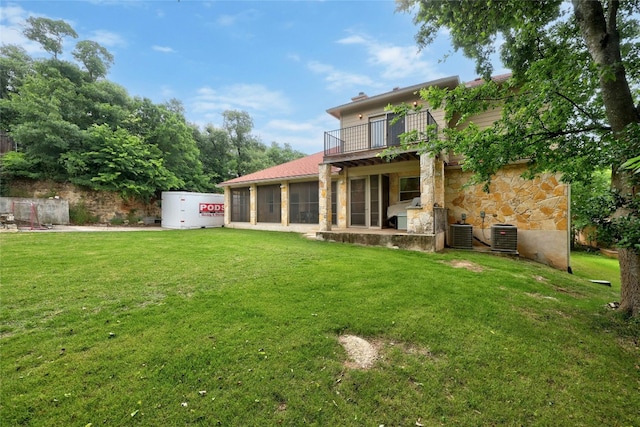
x=377, y=134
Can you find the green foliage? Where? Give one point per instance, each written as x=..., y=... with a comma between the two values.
x=569, y=105
x=115, y=160
x=16, y=165
x=552, y=110
x=70, y=124
x=592, y=202
x=278, y=155
x=96, y=59
x=49, y=33
x=80, y=214
x=133, y=217
x=215, y=153
x=116, y=220
x=633, y=165
x=15, y=64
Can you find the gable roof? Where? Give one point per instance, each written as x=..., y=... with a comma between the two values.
x=306, y=167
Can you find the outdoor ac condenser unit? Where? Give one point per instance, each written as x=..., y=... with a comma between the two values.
x=461, y=236
x=504, y=238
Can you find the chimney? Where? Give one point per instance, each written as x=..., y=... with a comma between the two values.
x=360, y=96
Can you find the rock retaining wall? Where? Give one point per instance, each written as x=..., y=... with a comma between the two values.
x=106, y=206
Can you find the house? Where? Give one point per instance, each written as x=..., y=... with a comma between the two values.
x=349, y=192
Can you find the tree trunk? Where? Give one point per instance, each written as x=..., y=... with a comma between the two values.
x=601, y=36
x=629, y=277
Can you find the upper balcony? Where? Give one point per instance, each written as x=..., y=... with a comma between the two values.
x=374, y=136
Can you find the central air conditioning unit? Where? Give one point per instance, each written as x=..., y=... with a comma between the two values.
x=461, y=236
x=504, y=238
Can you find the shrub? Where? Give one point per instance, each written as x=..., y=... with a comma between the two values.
x=80, y=214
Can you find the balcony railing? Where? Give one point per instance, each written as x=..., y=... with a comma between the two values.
x=377, y=134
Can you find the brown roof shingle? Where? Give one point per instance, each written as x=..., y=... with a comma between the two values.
x=299, y=168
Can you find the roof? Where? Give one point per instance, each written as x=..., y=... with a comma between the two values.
x=395, y=95
x=306, y=167
x=479, y=81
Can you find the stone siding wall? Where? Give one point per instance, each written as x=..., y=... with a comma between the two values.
x=538, y=204
x=105, y=205
x=538, y=208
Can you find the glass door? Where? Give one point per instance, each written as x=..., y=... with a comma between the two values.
x=377, y=131
x=374, y=201
x=367, y=201
x=358, y=202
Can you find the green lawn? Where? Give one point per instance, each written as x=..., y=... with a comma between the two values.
x=240, y=328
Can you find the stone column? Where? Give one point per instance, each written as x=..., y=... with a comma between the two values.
x=227, y=206
x=253, y=204
x=420, y=220
x=343, y=198
x=284, y=204
x=324, y=201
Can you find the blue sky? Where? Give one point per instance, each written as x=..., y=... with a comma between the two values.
x=284, y=62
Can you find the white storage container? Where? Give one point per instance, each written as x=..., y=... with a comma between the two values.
x=184, y=210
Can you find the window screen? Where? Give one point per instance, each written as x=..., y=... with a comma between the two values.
x=269, y=203
x=240, y=204
x=303, y=202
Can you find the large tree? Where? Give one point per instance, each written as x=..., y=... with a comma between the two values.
x=49, y=33
x=96, y=59
x=569, y=105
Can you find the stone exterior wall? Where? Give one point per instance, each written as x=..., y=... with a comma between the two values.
x=538, y=208
x=105, y=205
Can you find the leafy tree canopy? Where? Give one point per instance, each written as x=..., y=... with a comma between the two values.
x=49, y=33
x=72, y=124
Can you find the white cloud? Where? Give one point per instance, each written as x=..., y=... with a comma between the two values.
x=12, y=21
x=107, y=38
x=247, y=97
x=306, y=136
x=337, y=80
x=289, y=126
x=226, y=20
x=163, y=49
x=394, y=62
x=354, y=39
x=13, y=15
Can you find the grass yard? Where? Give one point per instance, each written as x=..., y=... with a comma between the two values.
x=240, y=328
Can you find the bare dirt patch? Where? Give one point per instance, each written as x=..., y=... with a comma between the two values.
x=362, y=354
x=466, y=264
x=540, y=296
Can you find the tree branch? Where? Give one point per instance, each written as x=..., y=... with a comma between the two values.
x=570, y=101
x=554, y=134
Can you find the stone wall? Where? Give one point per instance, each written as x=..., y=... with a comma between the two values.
x=105, y=205
x=538, y=208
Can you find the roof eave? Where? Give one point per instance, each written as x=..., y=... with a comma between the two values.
x=275, y=180
x=388, y=97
